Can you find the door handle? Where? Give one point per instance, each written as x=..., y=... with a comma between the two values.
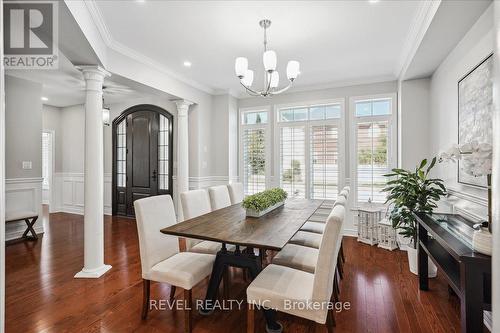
x=154, y=175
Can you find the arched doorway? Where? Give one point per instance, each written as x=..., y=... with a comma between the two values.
x=142, y=156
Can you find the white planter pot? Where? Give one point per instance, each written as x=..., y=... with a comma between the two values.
x=413, y=262
x=253, y=213
x=403, y=242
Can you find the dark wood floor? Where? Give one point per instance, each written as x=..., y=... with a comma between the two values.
x=43, y=296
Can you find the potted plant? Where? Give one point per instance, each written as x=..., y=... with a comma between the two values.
x=261, y=203
x=410, y=193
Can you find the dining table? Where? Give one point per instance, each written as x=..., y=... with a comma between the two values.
x=231, y=226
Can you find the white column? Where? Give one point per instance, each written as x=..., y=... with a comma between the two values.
x=94, y=265
x=182, y=152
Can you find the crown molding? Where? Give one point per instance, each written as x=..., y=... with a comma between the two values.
x=113, y=44
x=418, y=29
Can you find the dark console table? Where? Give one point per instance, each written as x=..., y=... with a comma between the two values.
x=447, y=240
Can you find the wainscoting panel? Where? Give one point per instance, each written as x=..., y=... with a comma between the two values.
x=69, y=196
x=23, y=194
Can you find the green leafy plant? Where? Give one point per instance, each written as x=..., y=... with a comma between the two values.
x=263, y=200
x=412, y=192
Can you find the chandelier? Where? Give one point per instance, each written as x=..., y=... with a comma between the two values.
x=271, y=76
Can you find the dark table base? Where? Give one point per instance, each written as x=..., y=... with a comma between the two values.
x=246, y=260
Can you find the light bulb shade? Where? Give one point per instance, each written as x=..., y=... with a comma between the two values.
x=247, y=79
x=292, y=70
x=269, y=59
x=275, y=79
x=240, y=66
x=105, y=116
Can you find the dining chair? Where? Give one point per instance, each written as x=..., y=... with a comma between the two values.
x=236, y=193
x=195, y=203
x=278, y=286
x=161, y=260
x=219, y=197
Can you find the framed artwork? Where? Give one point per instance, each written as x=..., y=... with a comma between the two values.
x=475, y=105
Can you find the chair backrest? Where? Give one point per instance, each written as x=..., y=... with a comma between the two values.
x=219, y=197
x=327, y=259
x=194, y=203
x=341, y=200
x=236, y=193
x=153, y=214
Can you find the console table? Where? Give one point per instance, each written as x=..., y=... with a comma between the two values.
x=447, y=240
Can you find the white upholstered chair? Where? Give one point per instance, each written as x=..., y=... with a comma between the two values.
x=161, y=260
x=236, y=193
x=195, y=203
x=278, y=286
x=219, y=197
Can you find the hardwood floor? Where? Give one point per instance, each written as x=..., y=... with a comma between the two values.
x=43, y=296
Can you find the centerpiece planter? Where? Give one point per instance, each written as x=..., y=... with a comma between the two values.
x=261, y=203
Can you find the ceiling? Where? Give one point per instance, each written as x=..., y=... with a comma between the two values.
x=335, y=41
x=65, y=86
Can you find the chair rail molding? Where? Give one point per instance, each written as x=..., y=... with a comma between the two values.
x=23, y=194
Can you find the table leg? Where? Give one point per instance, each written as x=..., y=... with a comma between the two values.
x=423, y=268
x=471, y=306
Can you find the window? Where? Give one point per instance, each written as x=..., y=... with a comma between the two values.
x=121, y=154
x=374, y=142
x=253, y=150
x=46, y=159
x=163, y=152
x=308, y=146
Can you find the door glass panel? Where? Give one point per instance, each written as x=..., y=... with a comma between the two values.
x=121, y=154
x=324, y=162
x=163, y=150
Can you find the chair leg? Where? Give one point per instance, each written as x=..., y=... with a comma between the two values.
x=146, y=284
x=340, y=267
x=251, y=318
x=187, y=310
x=338, y=282
x=172, y=293
x=330, y=322
x=342, y=252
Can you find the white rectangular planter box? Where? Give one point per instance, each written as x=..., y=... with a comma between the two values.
x=253, y=213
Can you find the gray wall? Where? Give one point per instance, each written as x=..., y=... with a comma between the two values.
x=413, y=125
x=23, y=127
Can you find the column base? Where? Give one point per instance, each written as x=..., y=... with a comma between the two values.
x=93, y=273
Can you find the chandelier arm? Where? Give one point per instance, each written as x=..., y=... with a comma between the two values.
x=283, y=89
x=249, y=90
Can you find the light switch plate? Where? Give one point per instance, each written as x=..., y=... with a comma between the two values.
x=27, y=165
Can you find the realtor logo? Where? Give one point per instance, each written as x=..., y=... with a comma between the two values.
x=30, y=34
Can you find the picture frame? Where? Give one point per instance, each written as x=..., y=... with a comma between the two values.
x=475, y=107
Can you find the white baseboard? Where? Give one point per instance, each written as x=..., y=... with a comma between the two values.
x=350, y=232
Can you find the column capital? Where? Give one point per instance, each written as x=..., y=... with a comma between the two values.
x=182, y=106
x=93, y=72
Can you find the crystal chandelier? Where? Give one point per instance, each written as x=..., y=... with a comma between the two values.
x=271, y=77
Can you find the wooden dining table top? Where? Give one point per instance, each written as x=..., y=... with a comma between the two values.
x=231, y=225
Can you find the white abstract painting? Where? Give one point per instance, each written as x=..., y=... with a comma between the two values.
x=475, y=105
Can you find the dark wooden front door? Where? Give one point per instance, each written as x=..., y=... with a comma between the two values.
x=142, y=163
x=142, y=156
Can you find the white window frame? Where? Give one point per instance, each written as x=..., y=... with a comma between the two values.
x=267, y=128
x=307, y=125
x=392, y=141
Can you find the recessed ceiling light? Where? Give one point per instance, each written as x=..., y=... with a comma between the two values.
x=141, y=1
x=45, y=99
x=373, y=1
x=187, y=64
